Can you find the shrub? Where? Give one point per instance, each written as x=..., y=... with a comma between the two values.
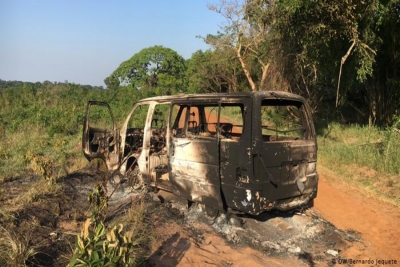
x=97, y=246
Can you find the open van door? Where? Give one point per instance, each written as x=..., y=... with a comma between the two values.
x=100, y=138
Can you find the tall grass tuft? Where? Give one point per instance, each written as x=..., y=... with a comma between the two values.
x=391, y=151
x=15, y=250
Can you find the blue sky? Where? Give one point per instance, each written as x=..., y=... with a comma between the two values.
x=85, y=41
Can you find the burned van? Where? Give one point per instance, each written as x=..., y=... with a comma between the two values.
x=243, y=152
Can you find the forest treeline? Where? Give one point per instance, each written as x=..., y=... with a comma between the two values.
x=342, y=56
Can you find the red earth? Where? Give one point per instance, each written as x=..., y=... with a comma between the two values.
x=375, y=223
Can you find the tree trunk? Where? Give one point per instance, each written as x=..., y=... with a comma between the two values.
x=264, y=75
x=246, y=70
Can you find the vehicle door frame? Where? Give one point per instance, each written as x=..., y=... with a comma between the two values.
x=105, y=138
x=236, y=161
x=141, y=159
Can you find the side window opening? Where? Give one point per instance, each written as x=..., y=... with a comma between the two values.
x=210, y=126
x=231, y=120
x=283, y=120
x=202, y=120
x=100, y=117
x=193, y=120
x=178, y=116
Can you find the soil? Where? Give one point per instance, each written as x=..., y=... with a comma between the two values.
x=376, y=223
x=343, y=224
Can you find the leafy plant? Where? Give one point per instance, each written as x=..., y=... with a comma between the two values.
x=95, y=246
x=98, y=201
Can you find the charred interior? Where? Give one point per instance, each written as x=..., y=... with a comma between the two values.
x=245, y=152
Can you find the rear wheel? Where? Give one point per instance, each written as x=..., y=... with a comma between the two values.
x=135, y=179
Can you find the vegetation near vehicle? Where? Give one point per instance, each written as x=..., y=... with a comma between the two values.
x=246, y=152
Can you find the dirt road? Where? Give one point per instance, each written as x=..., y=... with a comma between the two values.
x=377, y=223
x=374, y=225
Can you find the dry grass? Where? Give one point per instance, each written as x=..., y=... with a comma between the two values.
x=6, y=216
x=15, y=250
x=39, y=190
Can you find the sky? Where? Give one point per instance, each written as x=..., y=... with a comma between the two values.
x=84, y=41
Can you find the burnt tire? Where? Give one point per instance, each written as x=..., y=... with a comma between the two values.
x=135, y=179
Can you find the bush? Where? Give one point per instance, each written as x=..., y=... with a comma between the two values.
x=97, y=246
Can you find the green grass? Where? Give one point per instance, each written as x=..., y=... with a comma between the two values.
x=35, y=152
x=366, y=157
x=362, y=145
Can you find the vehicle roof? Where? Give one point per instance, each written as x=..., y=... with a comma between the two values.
x=257, y=94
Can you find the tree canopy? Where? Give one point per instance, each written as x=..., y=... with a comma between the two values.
x=151, y=68
x=341, y=55
x=337, y=53
x=215, y=72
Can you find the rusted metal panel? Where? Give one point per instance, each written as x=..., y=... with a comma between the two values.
x=194, y=170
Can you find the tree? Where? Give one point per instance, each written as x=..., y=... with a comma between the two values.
x=246, y=34
x=151, y=68
x=338, y=52
x=215, y=71
x=383, y=87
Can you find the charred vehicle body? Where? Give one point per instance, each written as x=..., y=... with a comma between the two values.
x=243, y=152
